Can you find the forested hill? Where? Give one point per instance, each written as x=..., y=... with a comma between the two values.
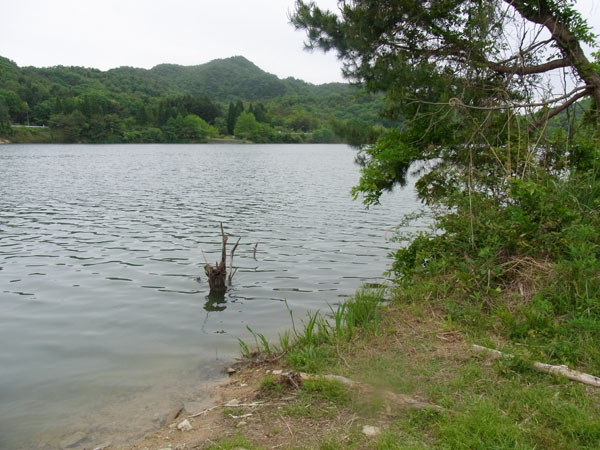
x=172, y=103
x=222, y=80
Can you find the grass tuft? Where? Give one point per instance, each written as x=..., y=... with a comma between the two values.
x=311, y=348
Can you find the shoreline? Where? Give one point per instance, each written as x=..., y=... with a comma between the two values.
x=408, y=379
x=124, y=428
x=402, y=378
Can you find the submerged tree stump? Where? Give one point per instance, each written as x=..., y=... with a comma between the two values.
x=217, y=275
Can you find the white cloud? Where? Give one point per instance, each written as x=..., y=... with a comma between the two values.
x=111, y=33
x=143, y=33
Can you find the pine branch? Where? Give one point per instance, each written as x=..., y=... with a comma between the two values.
x=530, y=70
x=553, y=112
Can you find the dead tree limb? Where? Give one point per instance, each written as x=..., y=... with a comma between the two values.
x=571, y=374
x=217, y=275
x=231, y=272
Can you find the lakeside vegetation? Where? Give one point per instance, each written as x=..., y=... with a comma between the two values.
x=512, y=260
x=414, y=377
x=510, y=170
x=178, y=104
x=512, y=178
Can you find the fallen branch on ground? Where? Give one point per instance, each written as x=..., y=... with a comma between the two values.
x=571, y=374
x=231, y=403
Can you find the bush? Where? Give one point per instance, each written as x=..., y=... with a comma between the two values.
x=532, y=261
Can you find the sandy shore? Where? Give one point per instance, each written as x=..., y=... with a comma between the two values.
x=199, y=424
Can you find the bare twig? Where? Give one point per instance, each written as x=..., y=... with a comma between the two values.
x=287, y=425
x=243, y=416
x=227, y=405
x=231, y=273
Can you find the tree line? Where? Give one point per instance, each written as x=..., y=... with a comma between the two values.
x=171, y=104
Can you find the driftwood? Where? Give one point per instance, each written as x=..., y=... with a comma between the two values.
x=571, y=374
x=231, y=403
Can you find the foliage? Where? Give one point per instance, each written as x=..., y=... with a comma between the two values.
x=531, y=265
x=247, y=127
x=448, y=70
x=137, y=105
x=5, y=128
x=234, y=111
x=190, y=128
x=508, y=165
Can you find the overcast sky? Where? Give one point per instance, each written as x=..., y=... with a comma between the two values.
x=143, y=33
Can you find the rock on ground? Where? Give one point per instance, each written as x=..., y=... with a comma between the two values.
x=185, y=426
x=369, y=430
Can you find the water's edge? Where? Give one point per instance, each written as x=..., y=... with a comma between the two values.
x=104, y=325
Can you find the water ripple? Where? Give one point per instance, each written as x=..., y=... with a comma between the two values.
x=100, y=251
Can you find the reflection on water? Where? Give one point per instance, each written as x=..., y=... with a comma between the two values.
x=101, y=314
x=215, y=301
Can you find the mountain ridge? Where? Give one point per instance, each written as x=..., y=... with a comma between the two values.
x=242, y=77
x=136, y=104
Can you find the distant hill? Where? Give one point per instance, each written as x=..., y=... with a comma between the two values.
x=134, y=100
x=223, y=80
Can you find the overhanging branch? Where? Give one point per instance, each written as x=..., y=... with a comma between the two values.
x=530, y=70
x=457, y=102
x=553, y=112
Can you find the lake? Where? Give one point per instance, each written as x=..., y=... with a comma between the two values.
x=104, y=327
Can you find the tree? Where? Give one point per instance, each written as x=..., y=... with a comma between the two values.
x=259, y=111
x=468, y=78
x=72, y=126
x=5, y=128
x=247, y=127
x=323, y=136
x=190, y=128
x=17, y=108
x=234, y=111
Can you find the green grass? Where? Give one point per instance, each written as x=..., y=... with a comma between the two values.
x=233, y=443
x=270, y=386
x=419, y=345
x=311, y=346
x=23, y=135
x=502, y=404
x=327, y=390
x=318, y=399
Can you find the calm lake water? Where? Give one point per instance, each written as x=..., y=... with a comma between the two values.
x=103, y=325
